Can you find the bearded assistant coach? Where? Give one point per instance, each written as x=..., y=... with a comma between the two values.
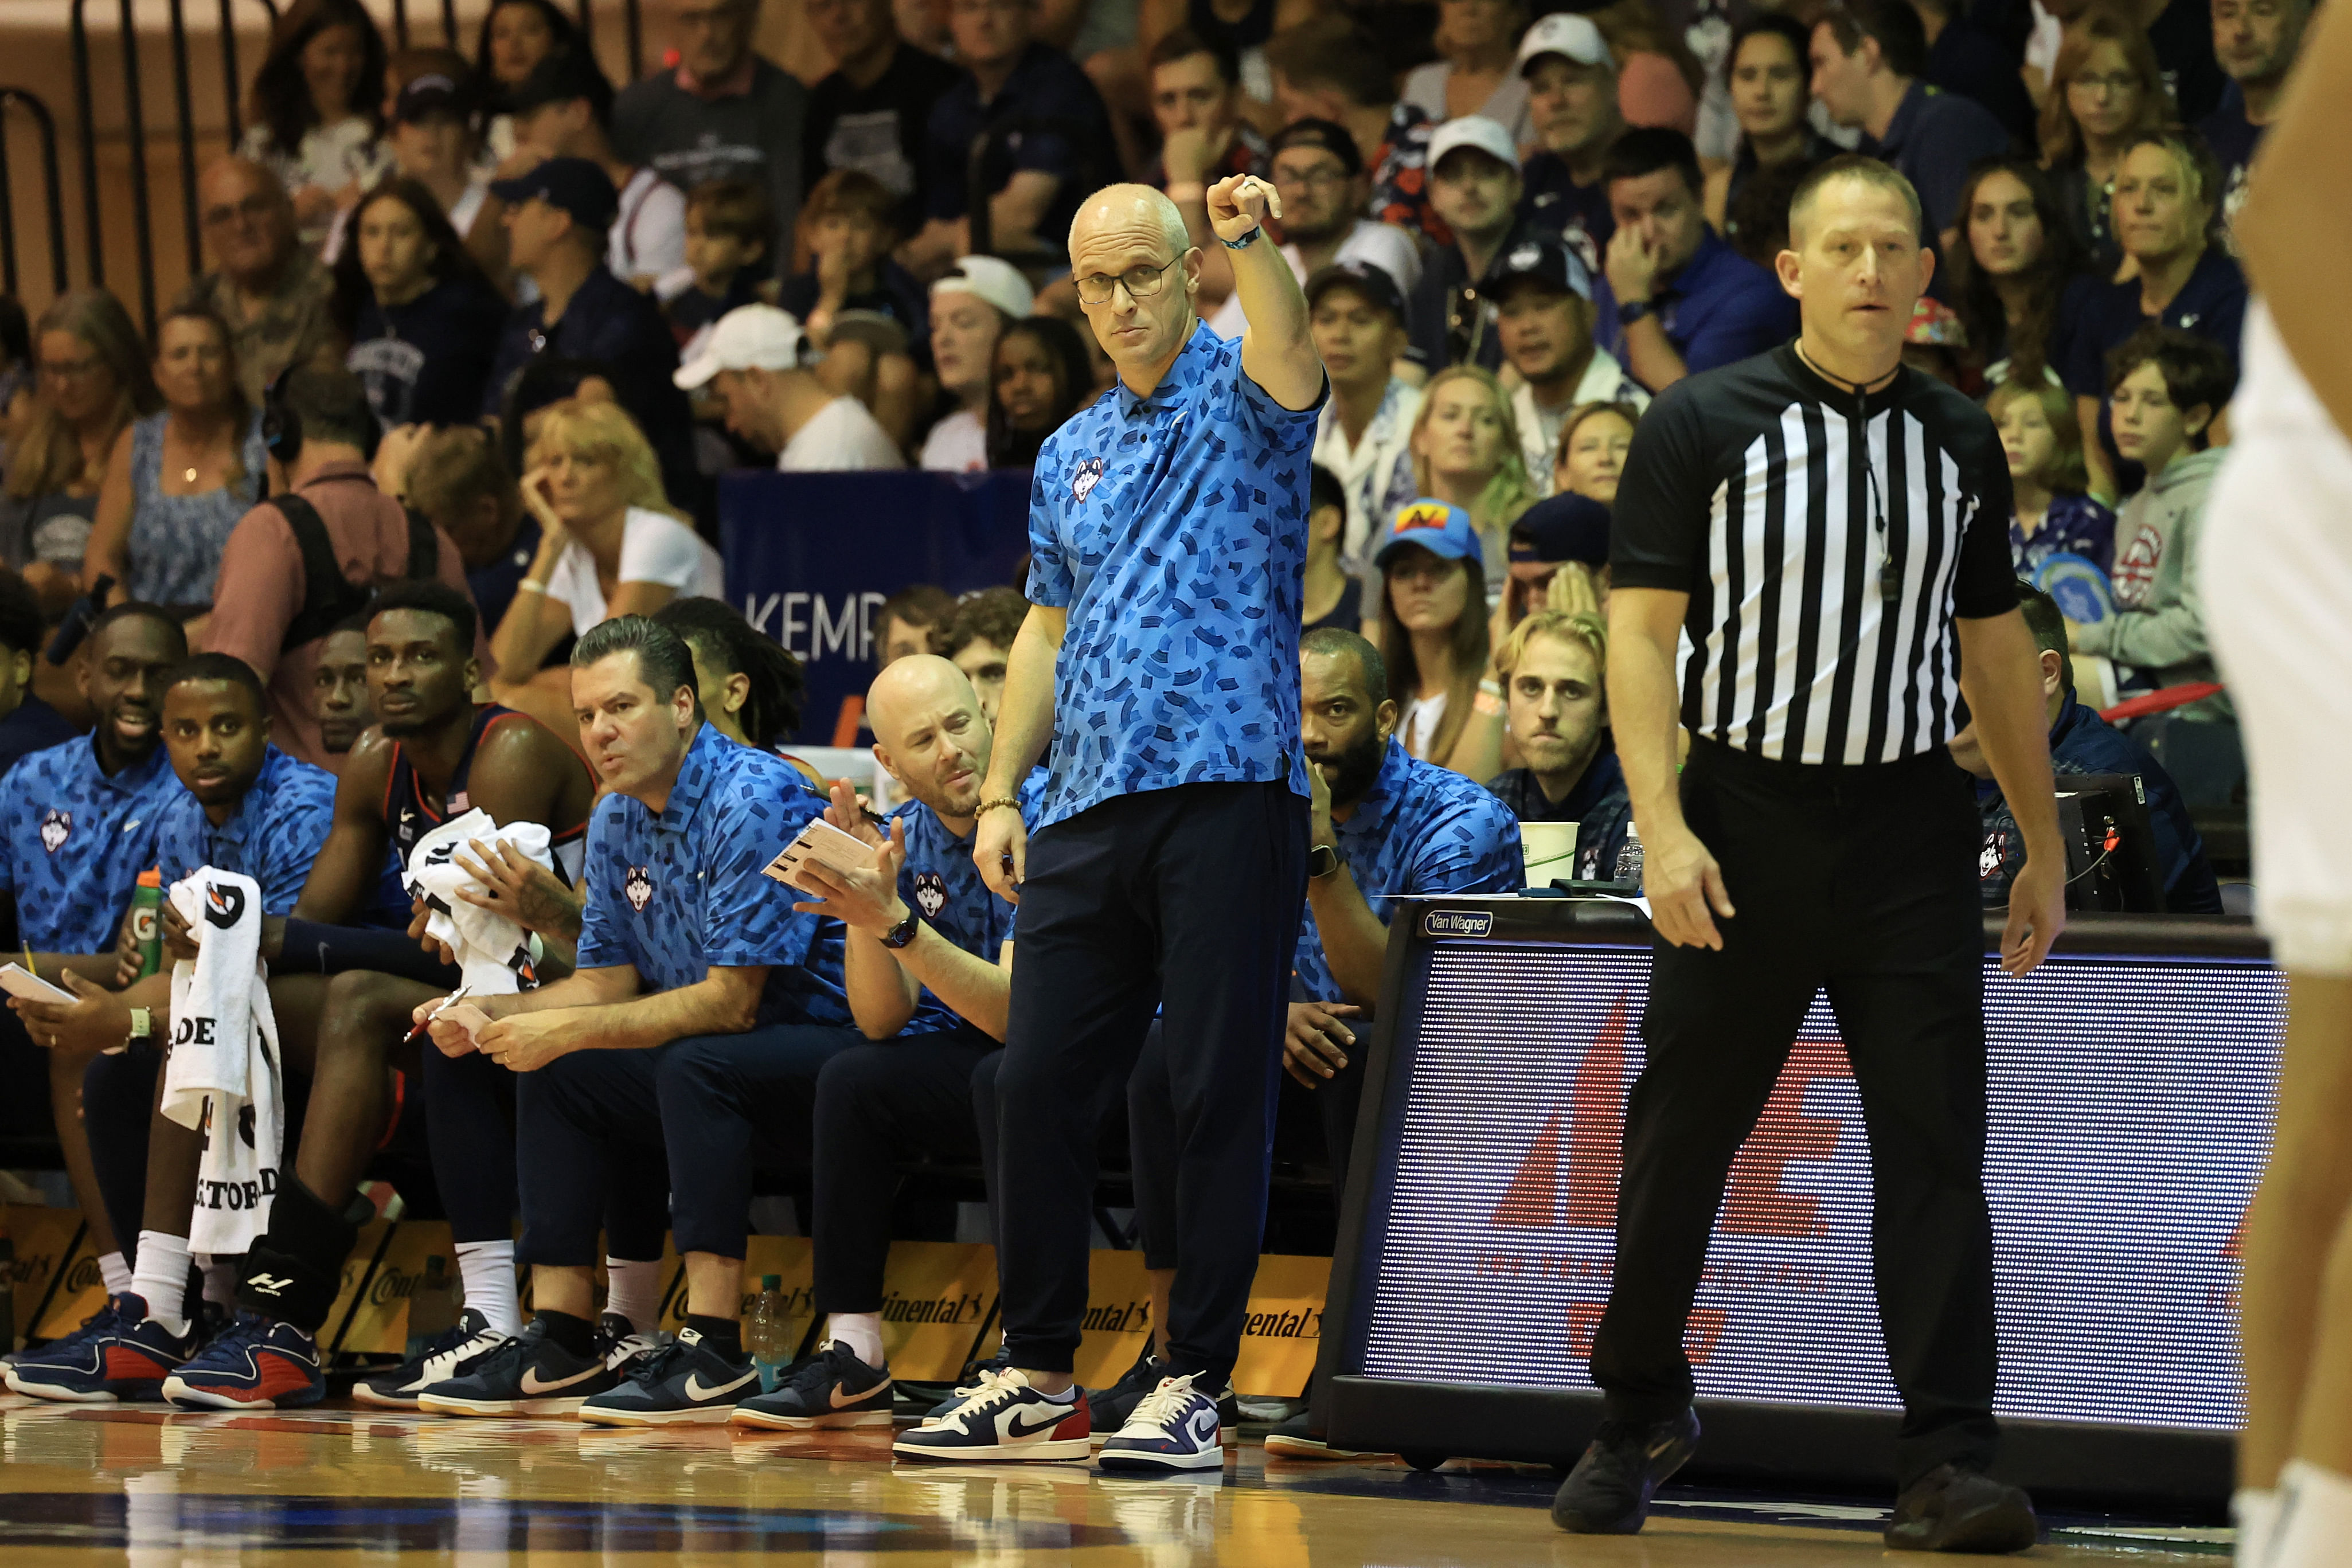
x=1168, y=526
x=1829, y=530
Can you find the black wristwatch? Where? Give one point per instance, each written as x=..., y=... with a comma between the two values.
x=1632, y=310
x=900, y=934
x=1322, y=860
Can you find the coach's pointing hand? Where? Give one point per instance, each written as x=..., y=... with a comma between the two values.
x=1683, y=881
x=1240, y=203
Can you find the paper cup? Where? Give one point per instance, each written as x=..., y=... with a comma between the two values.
x=1550, y=850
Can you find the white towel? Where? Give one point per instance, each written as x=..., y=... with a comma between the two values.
x=223, y=1077
x=495, y=954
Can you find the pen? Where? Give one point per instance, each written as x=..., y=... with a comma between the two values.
x=438, y=1009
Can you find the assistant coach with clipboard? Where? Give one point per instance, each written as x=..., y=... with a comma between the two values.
x=1828, y=530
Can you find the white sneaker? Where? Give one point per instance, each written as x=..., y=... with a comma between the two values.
x=1007, y=1419
x=1173, y=1427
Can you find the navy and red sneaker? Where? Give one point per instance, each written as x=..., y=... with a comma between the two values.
x=254, y=1364
x=118, y=1354
x=1005, y=1419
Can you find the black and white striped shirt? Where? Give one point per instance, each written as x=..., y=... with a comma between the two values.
x=1827, y=541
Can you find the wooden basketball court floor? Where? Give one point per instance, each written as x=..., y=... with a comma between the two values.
x=81, y=1487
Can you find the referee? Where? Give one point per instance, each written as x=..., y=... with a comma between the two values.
x=1828, y=530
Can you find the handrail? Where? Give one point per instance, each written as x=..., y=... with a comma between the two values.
x=183, y=113
x=52, y=186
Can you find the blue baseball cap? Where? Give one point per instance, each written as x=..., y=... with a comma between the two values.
x=1442, y=530
x=574, y=185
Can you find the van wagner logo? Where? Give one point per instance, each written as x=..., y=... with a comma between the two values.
x=1458, y=922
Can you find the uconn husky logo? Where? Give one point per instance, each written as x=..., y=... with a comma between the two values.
x=57, y=827
x=1458, y=922
x=638, y=887
x=931, y=894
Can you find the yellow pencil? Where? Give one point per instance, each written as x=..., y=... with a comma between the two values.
x=32, y=968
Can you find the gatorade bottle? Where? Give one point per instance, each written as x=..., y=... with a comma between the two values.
x=147, y=920
x=766, y=1340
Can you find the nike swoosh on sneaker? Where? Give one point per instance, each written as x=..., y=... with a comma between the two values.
x=1012, y=1425
x=695, y=1389
x=842, y=1403
x=532, y=1387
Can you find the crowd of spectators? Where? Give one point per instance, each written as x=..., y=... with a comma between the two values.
x=571, y=306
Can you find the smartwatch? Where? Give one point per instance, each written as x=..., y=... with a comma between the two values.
x=143, y=1025
x=1322, y=860
x=900, y=934
x=1632, y=310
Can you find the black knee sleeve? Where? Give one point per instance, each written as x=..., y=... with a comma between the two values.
x=293, y=1273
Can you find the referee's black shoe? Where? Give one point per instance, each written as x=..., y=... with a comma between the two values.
x=1609, y=1491
x=1955, y=1510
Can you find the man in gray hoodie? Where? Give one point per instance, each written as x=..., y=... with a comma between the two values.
x=2164, y=389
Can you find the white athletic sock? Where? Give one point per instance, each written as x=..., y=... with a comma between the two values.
x=2315, y=1518
x=486, y=1270
x=114, y=1271
x=220, y=1280
x=2254, y=1511
x=634, y=1290
x=161, y=1276
x=862, y=1332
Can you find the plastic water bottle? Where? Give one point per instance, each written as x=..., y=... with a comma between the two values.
x=432, y=1306
x=766, y=1340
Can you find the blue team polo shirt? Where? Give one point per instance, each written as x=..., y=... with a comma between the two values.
x=677, y=893
x=1420, y=829
x=1719, y=309
x=1173, y=529
x=279, y=828
x=73, y=842
x=941, y=882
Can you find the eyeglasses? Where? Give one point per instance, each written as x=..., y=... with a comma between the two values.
x=70, y=369
x=256, y=207
x=2121, y=82
x=1140, y=283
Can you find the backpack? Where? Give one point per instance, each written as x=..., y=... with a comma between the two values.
x=329, y=597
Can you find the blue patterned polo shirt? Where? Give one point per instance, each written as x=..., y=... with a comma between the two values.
x=675, y=894
x=941, y=882
x=279, y=828
x=1173, y=529
x=1420, y=829
x=73, y=842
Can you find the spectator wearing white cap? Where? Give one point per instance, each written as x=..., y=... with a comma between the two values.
x=1475, y=185
x=752, y=360
x=970, y=307
x=1474, y=73
x=1571, y=80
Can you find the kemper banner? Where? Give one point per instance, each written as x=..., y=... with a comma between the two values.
x=2131, y=1105
x=810, y=557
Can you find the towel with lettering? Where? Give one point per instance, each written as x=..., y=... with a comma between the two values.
x=494, y=953
x=223, y=1075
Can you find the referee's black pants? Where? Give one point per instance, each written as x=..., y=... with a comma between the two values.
x=1190, y=895
x=1860, y=881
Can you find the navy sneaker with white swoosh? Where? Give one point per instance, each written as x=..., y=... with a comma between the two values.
x=451, y=1355
x=1173, y=1427
x=834, y=1389
x=1005, y=1419
x=529, y=1375
x=686, y=1381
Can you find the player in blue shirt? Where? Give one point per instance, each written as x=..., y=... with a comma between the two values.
x=694, y=970
x=77, y=827
x=1168, y=535
x=1384, y=824
x=929, y=969
x=242, y=805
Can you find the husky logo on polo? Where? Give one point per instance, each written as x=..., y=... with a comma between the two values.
x=1082, y=483
x=56, y=828
x=639, y=888
x=931, y=894
x=1458, y=922
x=224, y=904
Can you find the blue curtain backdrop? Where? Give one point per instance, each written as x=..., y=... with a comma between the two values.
x=810, y=557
